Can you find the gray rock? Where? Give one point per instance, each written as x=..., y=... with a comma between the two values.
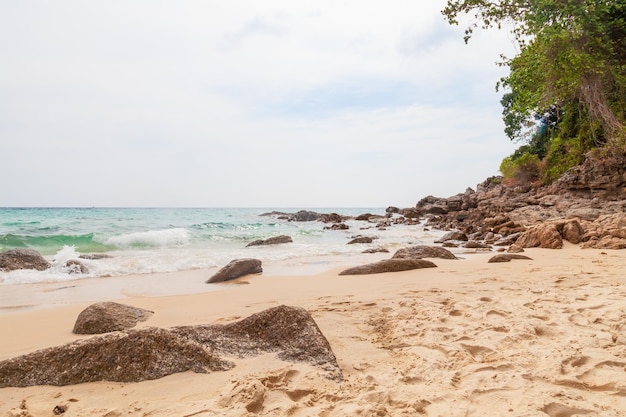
x=74, y=266
x=389, y=265
x=421, y=252
x=108, y=317
x=275, y=240
x=454, y=235
x=151, y=353
x=237, y=268
x=361, y=239
x=22, y=259
x=507, y=257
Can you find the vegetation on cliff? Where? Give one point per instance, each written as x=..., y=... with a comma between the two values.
x=566, y=90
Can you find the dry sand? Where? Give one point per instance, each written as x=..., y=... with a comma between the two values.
x=525, y=338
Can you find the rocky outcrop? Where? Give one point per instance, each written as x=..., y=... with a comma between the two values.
x=151, y=353
x=543, y=236
x=108, y=317
x=275, y=240
x=22, y=259
x=237, y=268
x=389, y=265
x=587, y=194
x=421, y=252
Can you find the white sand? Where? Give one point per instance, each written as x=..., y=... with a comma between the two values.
x=525, y=338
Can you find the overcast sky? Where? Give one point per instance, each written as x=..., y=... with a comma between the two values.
x=244, y=103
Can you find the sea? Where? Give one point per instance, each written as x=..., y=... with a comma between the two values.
x=154, y=240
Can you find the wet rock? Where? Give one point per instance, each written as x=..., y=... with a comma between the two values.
x=108, y=317
x=421, y=252
x=74, y=266
x=337, y=226
x=275, y=240
x=237, y=268
x=389, y=265
x=376, y=250
x=22, y=259
x=361, y=239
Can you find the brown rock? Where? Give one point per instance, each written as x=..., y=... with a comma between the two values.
x=572, y=231
x=108, y=317
x=275, y=240
x=362, y=239
x=237, y=268
x=22, y=259
x=376, y=250
x=389, y=265
x=132, y=356
x=506, y=257
x=74, y=266
x=544, y=235
x=454, y=235
x=420, y=252
x=290, y=332
x=515, y=249
x=337, y=226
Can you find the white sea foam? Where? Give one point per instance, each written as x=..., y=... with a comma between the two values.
x=151, y=239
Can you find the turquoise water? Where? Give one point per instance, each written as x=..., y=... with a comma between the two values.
x=146, y=240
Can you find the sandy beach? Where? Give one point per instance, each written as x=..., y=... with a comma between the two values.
x=536, y=337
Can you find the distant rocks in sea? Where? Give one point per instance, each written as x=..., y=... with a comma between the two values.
x=150, y=353
x=275, y=240
x=237, y=268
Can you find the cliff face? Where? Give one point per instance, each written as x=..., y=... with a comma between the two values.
x=593, y=194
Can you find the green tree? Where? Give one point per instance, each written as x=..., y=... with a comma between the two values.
x=569, y=76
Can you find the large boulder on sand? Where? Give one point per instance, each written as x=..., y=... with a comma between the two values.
x=389, y=265
x=237, y=268
x=22, y=259
x=151, y=353
x=420, y=252
x=108, y=317
x=275, y=240
x=132, y=356
x=507, y=257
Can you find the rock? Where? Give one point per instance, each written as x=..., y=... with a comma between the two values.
x=237, y=268
x=22, y=259
x=151, y=353
x=411, y=213
x=94, y=256
x=506, y=257
x=472, y=244
x=131, y=356
x=515, y=249
x=337, y=226
x=454, y=235
x=74, y=266
x=331, y=218
x=389, y=265
x=304, y=216
x=290, y=332
x=420, y=252
x=376, y=250
x=543, y=235
x=571, y=231
x=507, y=240
x=275, y=240
x=361, y=239
x=108, y=317
x=392, y=210
x=606, y=232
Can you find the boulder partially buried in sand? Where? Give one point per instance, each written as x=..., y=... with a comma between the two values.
x=108, y=317
x=132, y=356
x=389, y=265
x=151, y=353
x=22, y=259
x=236, y=269
x=507, y=257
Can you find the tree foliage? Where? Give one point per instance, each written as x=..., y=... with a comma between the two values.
x=566, y=89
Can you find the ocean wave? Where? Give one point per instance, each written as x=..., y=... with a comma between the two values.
x=151, y=239
x=49, y=244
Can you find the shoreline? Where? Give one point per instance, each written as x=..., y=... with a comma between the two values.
x=409, y=342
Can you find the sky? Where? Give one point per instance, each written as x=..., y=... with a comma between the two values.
x=200, y=103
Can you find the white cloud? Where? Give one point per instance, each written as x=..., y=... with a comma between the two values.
x=274, y=103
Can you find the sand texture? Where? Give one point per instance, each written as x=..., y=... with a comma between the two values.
x=540, y=337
